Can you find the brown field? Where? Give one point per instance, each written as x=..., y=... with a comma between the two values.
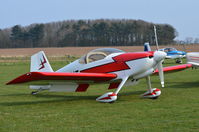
x=79, y=51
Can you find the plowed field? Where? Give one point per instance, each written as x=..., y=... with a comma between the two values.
x=79, y=51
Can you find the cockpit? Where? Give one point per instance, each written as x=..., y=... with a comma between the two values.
x=169, y=49
x=98, y=54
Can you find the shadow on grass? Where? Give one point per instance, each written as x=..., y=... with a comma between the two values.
x=59, y=98
x=184, y=85
x=132, y=93
x=19, y=94
x=179, y=84
x=170, y=63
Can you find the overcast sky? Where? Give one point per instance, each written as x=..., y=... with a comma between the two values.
x=182, y=14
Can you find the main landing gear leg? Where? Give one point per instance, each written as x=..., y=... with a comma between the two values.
x=111, y=97
x=152, y=93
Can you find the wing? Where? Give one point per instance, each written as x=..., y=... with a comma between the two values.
x=35, y=77
x=174, y=68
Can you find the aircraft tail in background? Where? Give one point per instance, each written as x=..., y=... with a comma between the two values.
x=147, y=47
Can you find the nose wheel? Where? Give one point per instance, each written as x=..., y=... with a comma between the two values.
x=179, y=61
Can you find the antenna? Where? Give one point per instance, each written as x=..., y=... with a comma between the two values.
x=156, y=38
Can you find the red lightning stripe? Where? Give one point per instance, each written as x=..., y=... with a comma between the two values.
x=42, y=63
x=119, y=63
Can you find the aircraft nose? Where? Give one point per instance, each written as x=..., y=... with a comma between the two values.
x=159, y=55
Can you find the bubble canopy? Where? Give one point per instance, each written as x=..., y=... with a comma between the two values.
x=98, y=54
x=168, y=49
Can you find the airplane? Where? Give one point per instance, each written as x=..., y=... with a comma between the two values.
x=173, y=53
x=104, y=65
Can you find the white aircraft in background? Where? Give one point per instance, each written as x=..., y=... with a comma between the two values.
x=104, y=65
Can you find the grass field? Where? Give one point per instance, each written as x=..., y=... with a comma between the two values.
x=177, y=109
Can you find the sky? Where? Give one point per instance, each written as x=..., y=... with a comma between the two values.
x=181, y=14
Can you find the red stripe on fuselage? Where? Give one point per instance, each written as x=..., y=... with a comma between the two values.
x=119, y=63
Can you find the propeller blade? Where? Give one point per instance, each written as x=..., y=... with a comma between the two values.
x=156, y=37
x=161, y=73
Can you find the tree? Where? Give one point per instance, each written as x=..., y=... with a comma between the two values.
x=196, y=41
x=189, y=40
x=17, y=33
x=17, y=36
x=101, y=32
x=35, y=34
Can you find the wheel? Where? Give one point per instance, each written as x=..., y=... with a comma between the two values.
x=34, y=92
x=179, y=61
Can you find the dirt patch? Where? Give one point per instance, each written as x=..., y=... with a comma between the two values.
x=79, y=51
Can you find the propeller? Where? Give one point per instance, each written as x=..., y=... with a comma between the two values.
x=159, y=57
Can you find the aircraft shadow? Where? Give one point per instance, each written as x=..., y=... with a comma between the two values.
x=132, y=93
x=21, y=94
x=59, y=98
x=184, y=85
x=178, y=84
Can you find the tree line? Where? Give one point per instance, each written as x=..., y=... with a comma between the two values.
x=103, y=32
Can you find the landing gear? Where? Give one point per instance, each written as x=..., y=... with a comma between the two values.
x=179, y=61
x=111, y=97
x=151, y=93
x=34, y=92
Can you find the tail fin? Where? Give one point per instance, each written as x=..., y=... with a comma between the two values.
x=147, y=47
x=193, y=58
x=39, y=63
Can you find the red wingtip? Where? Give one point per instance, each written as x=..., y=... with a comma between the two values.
x=20, y=79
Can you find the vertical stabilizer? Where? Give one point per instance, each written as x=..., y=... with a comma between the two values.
x=147, y=47
x=39, y=63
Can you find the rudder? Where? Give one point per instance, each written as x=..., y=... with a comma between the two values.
x=39, y=63
x=147, y=47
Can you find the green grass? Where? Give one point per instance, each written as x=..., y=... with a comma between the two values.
x=177, y=109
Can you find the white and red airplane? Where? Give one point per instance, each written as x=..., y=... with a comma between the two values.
x=104, y=65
